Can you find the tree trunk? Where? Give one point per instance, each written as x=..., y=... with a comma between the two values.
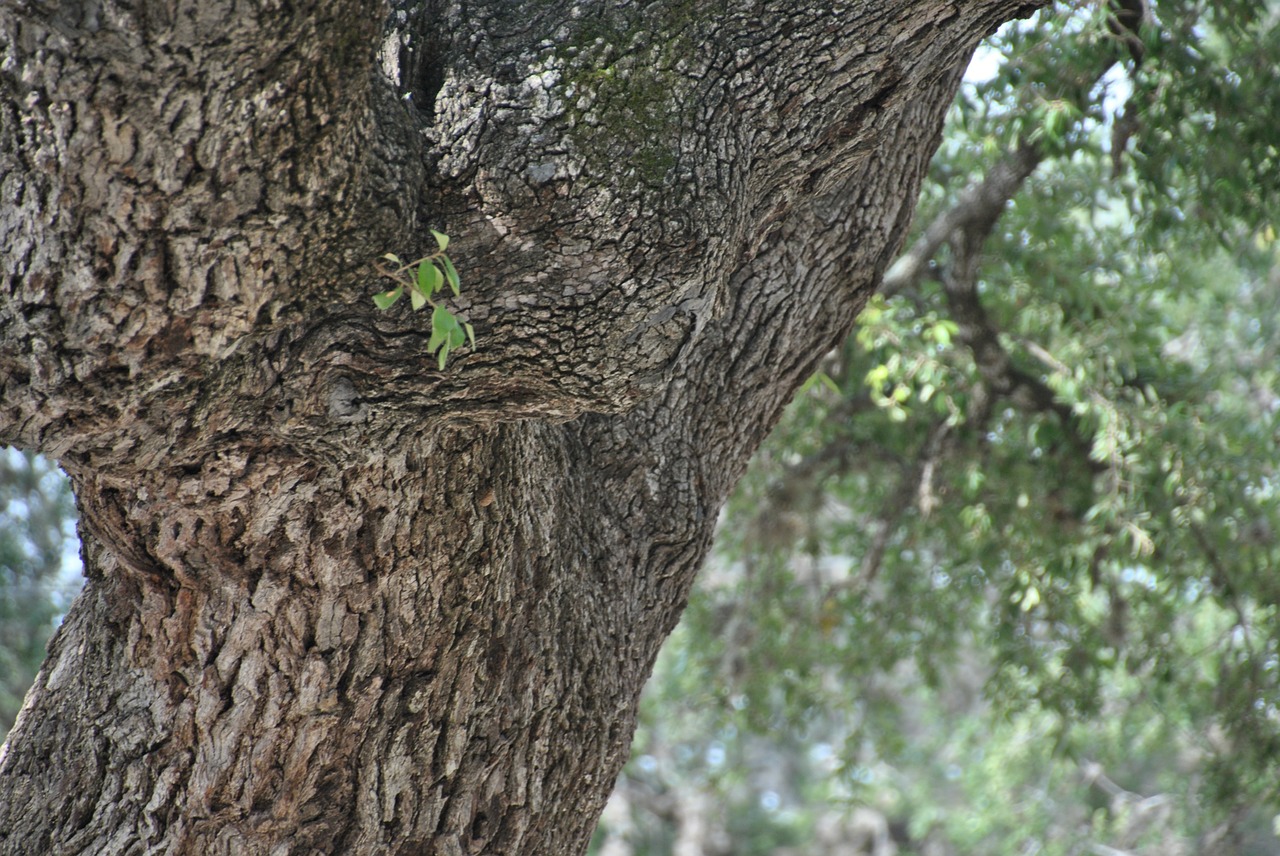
x=338, y=600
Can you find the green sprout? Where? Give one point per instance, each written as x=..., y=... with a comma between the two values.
x=424, y=279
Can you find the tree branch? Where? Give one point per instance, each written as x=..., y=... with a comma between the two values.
x=975, y=213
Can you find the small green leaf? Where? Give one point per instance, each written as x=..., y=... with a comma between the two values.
x=451, y=274
x=442, y=320
x=444, y=355
x=388, y=298
x=442, y=240
x=471, y=333
x=456, y=336
x=392, y=257
x=417, y=298
x=429, y=278
x=444, y=329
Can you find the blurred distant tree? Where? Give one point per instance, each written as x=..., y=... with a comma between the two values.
x=1006, y=574
x=36, y=520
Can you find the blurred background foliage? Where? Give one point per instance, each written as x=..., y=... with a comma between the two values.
x=37, y=577
x=1005, y=579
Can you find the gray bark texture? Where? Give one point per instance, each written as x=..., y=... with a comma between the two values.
x=340, y=601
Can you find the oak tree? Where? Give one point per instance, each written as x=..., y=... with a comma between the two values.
x=339, y=599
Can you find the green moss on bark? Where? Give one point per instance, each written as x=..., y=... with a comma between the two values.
x=627, y=91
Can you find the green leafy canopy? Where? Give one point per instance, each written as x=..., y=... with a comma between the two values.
x=1006, y=571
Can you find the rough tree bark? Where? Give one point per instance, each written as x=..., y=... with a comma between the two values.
x=339, y=601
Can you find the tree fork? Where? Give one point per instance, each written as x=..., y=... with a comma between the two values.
x=339, y=601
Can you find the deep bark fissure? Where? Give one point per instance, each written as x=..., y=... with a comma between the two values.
x=340, y=601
